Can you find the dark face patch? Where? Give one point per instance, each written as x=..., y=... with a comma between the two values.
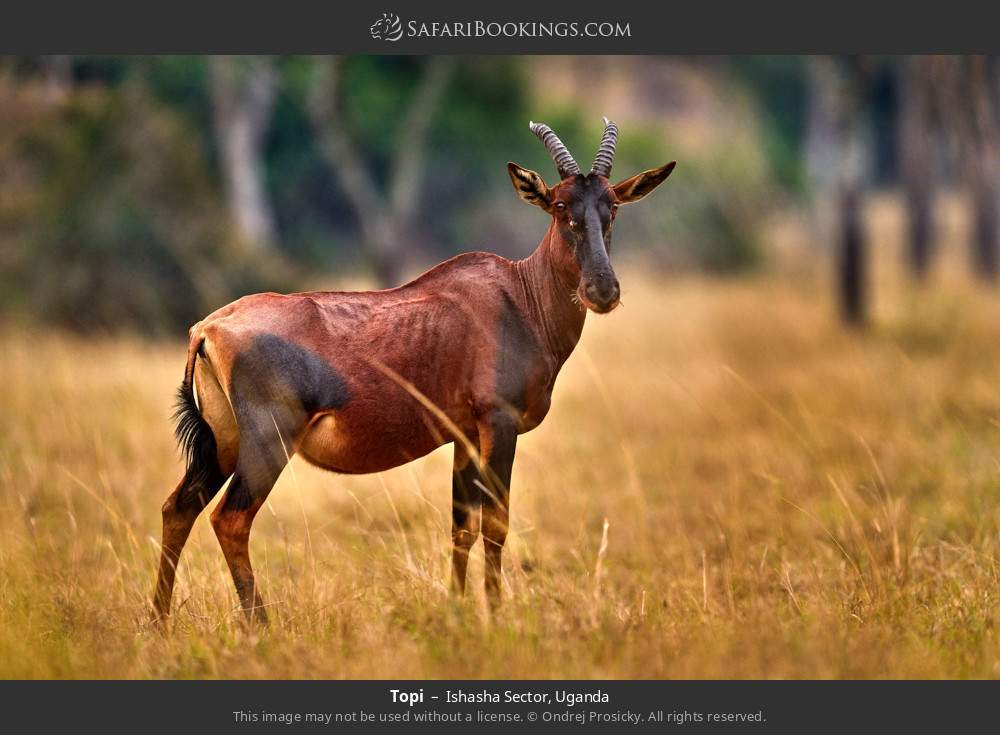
x=585, y=208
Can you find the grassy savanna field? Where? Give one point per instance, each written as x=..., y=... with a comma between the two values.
x=783, y=498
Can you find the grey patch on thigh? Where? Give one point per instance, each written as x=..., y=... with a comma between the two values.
x=275, y=370
x=276, y=385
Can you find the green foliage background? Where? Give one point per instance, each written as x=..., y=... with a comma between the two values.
x=115, y=216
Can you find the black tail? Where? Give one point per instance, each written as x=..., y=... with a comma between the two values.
x=197, y=443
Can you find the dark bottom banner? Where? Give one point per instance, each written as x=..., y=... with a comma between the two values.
x=578, y=706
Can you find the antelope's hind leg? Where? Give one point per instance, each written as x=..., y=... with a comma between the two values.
x=180, y=510
x=266, y=440
x=208, y=466
x=275, y=387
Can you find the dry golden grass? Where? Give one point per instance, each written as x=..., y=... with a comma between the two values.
x=783, y=499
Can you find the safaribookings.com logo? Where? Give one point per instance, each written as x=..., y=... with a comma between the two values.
x=387, y=28
x=390, y=28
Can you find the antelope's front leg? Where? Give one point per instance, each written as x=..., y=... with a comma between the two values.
x=466, y=502
x=497, y=441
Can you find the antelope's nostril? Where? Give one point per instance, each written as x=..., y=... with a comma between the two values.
x=603, y=293
x=602, y=290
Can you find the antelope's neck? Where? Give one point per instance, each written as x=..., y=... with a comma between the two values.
x=549, y=289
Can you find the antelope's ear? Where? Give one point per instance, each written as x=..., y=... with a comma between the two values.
x=635, y=188
x=529, y=186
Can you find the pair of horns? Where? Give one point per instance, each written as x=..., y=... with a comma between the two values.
x=565, y=163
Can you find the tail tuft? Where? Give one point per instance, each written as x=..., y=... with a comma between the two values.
x=197, y=444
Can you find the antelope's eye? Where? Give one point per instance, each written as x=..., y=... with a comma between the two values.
x=560, y=206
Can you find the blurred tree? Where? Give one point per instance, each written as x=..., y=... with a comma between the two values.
x=853, y=259
x=385, y=215
x=981, y=88
x=823, y=142
x=837, y=163
x=968, y=95
x=915, y=155
x=126, y=228
x=58, y=73
x=243, y=94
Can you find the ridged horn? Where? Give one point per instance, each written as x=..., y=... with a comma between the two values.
x=606, y=153
x=560, y=154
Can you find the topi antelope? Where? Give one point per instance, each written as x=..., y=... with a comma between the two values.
x=363, y=382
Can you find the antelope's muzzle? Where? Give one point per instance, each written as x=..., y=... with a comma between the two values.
x=602, y=293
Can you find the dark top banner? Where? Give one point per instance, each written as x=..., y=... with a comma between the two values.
x=452, y=27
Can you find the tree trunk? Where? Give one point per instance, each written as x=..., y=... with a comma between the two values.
x=967, y=91
x=916, y=162
x=986, y=225
x=837, y=159
x=386, y=214
x=382, y=245
x=983, y=101
x=243, y=94
x=853, y=258
x=58, y=73
x=823, y=144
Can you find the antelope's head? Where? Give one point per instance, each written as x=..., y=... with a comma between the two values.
x=583, y=209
